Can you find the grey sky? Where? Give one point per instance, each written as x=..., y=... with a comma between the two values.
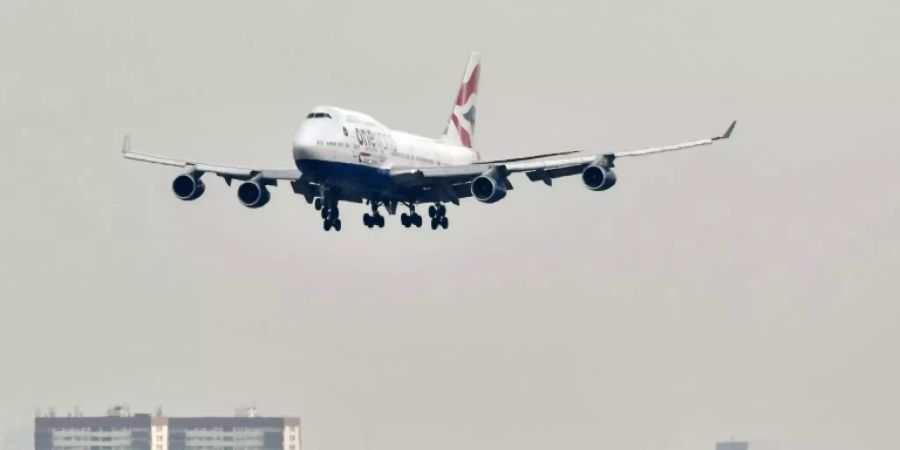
x=748, y=290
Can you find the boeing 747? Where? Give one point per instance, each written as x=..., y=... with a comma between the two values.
x=346, y=156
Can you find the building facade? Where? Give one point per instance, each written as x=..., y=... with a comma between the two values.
x=225, y=433
x=145, y=432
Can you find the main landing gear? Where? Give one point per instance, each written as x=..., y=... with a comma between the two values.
x=411, y=219
x=331, y=215
x=438, y=214
x=373, y=220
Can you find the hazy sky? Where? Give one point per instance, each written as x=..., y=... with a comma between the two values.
x=748, y=290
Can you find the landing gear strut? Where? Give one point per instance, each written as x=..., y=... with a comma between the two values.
x=438, y=214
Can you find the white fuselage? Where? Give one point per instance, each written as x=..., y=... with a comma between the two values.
x=333, y=137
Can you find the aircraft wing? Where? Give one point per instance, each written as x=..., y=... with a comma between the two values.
x=227, y=172
x=535, y=169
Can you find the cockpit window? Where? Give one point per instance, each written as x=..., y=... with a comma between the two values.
x=316, y=115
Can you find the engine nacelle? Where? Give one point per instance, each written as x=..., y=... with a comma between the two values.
x=598, y=178
x=252, y=194
x=488, y=189
x=188, y=186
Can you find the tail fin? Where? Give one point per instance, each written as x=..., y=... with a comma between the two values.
x=461, y=128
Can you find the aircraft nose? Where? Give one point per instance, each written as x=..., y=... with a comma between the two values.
x=304, y=147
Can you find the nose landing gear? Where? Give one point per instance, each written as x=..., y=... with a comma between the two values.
x=331, y=215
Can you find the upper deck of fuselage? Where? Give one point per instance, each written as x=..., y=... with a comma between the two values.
x=325, y=119
x=344, y=116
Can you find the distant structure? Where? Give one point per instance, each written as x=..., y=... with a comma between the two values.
x=733, y=445
x=120, y=430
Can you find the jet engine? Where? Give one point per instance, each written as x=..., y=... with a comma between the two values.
x=253, y=194
x=598, y=178
x=489, y=187
x=188, y=186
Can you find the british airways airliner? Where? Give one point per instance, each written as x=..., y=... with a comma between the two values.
x=347, y=156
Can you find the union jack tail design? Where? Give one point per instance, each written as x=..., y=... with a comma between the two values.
x=461, y=128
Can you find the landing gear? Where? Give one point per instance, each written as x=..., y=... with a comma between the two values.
x=373, y=220
x=328, y=224
x=438, y=214
x=317, y=203
x=442, y=222
x=436, y=211
x=411, y=219
x=331, y=215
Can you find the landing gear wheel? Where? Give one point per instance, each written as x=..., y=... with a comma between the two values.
x=444, y=222
x=324, y=214
x=441, y=210
x=326, y=224
x=417, y=221
x=337, y=225
x=406, y=220
x=334, y=213
x=318, y=203
x=373, y=220
x=434, y=223
x=432, y=211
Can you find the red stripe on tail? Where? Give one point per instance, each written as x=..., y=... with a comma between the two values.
x=471, y=87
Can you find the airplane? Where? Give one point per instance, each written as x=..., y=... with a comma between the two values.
x=347, y=156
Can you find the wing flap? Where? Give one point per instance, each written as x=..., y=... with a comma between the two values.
x=446, y=174
x=546, y=175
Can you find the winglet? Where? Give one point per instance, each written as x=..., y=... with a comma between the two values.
x=126, y=144
x=727, y=132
